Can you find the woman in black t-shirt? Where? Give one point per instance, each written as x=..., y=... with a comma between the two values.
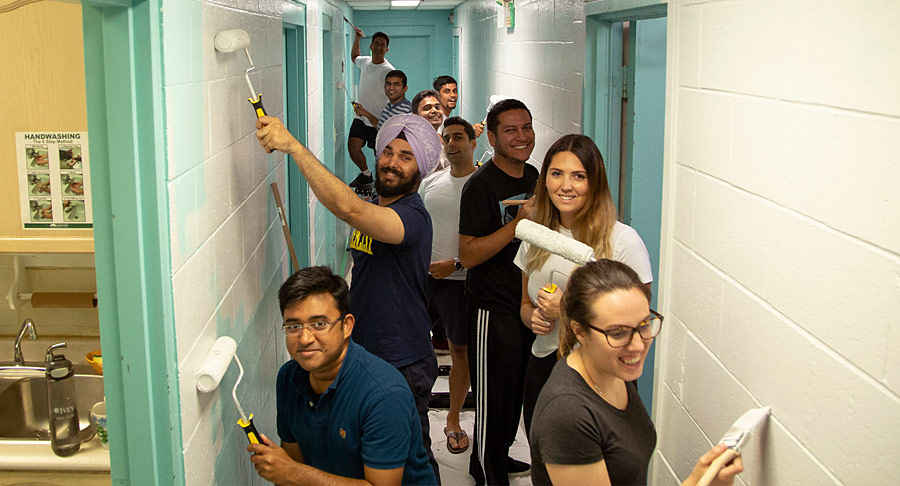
x=589, y=425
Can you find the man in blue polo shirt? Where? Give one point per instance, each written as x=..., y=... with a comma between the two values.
x=343, y=413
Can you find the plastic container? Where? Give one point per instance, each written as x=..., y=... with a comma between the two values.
x=64, y=428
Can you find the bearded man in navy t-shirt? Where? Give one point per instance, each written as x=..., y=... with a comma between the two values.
x=390, y=245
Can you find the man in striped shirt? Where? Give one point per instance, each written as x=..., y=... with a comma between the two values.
x=395, y=89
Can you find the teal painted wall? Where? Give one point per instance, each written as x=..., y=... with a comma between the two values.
x=421, y=43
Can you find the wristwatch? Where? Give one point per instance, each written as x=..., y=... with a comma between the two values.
x=457, y=264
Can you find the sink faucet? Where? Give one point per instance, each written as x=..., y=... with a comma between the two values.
x=27, y=325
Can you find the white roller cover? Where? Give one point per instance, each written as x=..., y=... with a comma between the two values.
x=215, y=364
x=543, y=237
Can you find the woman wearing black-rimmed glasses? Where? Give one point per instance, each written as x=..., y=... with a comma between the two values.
x=590, y=426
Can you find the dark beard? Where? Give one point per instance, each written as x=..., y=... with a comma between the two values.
x=405, y=187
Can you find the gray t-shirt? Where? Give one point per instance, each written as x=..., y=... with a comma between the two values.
x=573, y=425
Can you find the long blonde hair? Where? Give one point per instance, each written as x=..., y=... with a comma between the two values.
x=593, y=225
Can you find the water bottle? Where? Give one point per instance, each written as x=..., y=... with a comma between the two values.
x=65, y=439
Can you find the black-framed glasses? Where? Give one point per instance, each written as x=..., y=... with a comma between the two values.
x=318, y=327
x=621, y=336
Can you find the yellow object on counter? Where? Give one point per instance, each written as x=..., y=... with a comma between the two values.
x=95, y=359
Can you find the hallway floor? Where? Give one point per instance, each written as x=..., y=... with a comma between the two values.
x=455, y=467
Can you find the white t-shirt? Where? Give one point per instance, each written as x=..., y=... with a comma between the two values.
x=441, y=192
x=628, y=248
x=371, y=85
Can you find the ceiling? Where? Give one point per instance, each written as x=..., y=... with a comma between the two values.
x=386, y=5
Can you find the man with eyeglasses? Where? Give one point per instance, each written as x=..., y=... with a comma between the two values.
x=390, y=246
x=343, y=414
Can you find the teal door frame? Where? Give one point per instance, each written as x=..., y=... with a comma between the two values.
x=295, y=113
x=325, y=225
x=605, y=80
x=126, y=125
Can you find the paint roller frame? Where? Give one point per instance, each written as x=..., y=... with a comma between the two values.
x=210, y=375
x=228, y=41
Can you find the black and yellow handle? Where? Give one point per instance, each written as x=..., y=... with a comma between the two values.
x=549, y=288
x=248, y=426
x=257, y=105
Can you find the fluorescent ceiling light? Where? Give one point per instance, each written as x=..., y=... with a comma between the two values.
x=405, y=3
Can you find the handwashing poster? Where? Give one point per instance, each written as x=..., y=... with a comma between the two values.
x=54, y=180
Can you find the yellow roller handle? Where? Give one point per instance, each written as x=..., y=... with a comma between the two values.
x=250, y=430
x=258, y=106
x=549, y=288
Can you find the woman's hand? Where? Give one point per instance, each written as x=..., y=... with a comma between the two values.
x=548, y=303
x=541, y=324
x=725, y=476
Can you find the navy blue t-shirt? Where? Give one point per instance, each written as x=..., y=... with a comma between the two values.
x=367, y=416
x=387, y=292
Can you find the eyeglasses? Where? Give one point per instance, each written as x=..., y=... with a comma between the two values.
x=320, y=327
x=621, y=336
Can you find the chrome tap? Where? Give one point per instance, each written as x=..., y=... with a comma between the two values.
x=27, y=325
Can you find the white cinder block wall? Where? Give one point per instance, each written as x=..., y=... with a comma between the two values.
x=228, y=252
x=781, y=234
x=540, y=62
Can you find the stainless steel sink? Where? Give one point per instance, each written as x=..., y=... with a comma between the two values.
x=23, y=402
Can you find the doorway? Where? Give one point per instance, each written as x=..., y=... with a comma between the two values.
x=294, y=82
x=624, y=110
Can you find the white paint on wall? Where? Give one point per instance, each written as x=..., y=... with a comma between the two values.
x=781, y=264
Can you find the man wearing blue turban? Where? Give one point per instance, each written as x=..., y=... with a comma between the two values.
x=390, y=245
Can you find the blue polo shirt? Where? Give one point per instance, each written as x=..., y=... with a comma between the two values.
x=367, y=416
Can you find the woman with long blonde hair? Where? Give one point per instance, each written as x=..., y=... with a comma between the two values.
x=571, y=197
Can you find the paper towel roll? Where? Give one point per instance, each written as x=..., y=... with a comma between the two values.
x=215, y=364
x=63, y=300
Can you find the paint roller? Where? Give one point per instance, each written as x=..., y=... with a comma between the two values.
x=211, y=373
x=232, y=40
x=543, y=237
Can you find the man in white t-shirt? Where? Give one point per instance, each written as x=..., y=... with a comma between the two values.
x=447, y=278
x=372, y=99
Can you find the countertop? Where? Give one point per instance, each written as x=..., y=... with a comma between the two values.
x=37, y=455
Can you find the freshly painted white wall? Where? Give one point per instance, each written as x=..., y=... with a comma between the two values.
x=781, y=239
x=540, y=62
x=228, y=252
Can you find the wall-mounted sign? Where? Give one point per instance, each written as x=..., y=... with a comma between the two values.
x=54, y=180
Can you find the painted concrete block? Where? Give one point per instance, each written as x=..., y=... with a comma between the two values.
x=229, y=253
x=703, y=138
x=187, y=121
x=773, y=456
x=183, y=216
x=201, y=449
x=679, y=440
x=254, y=220
x=696, y=295
x=660, y=473
x=241, y=173
x=226, y=102
x=683, y=227
x=814, y=387
x=247, y=295
x=731, y=230
x=703, y=372
x=566, y=110
x=892, y=373
x=181, y=43
x=670, y=353
x=213, y=193
x=568, y=17
x=740, y=54
x=798, y=156
x=194, y=289
x=807, y=291
x=689, y=22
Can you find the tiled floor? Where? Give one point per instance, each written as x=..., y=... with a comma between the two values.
x=455, y=467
